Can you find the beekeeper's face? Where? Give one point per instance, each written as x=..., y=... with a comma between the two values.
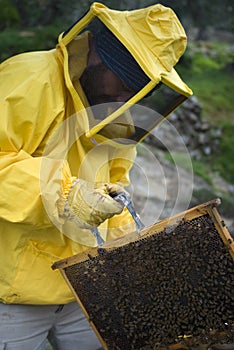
x=101, y=85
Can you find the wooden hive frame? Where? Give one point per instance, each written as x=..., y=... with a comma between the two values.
x=209, y=208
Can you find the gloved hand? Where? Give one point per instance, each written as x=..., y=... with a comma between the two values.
x=89, y=204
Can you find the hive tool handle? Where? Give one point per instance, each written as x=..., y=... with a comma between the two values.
x=125, y=199
x=97, y=235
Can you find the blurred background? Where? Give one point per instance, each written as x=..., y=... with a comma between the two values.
x=205, y=122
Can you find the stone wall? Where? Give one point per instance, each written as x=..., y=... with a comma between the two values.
x=187, y=126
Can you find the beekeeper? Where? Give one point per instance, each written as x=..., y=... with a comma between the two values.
x=61, y=159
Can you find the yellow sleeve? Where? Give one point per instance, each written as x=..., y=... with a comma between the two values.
x=30, y=110
x=20, y=199
x=121, y=165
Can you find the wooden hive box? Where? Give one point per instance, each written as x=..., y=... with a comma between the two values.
x=171, y=285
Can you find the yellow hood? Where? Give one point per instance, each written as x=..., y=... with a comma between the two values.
x=155, y=38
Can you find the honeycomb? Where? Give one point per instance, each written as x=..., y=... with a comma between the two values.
x=174, y=286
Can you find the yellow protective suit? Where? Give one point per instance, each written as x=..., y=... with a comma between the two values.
x=34, y=100
x=40, y=92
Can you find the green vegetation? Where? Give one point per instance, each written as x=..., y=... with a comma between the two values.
x=9, y=15
x=224, y=162
x=214, y=89
x=14, y=42
x=206, y=68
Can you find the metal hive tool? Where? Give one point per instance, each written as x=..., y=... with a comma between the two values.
x=171, y=285
x=126, y=201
